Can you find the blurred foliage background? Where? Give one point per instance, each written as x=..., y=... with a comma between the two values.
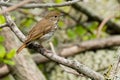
x=74, y=27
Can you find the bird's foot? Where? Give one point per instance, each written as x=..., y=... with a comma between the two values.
x=48, y=51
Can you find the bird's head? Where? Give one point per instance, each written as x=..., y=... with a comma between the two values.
x=53, y=16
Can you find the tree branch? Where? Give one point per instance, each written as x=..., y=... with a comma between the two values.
x=83, y=46
x=70, y=63
x=102, y=25
x=91, y=44
x=88, y=45
x=28, y=6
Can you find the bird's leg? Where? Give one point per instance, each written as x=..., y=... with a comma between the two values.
x=39, y=47
x=48, y=51
x=43, y=49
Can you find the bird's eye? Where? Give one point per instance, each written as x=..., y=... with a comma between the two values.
x=55, y=16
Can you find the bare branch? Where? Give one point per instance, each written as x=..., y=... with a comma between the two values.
x=102, y=24
x=15, y=6
x=67, y=69
x=70, y=63
x=91, y=44
x=28, y=6
x=52, y=47
x=83, y=46
x=13, y=26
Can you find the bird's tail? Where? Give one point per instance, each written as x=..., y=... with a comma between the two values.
x=21, y=47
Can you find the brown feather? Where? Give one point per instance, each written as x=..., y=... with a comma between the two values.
x=43, y=27
x=21, y=47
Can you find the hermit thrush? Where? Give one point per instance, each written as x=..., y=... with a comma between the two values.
x=43, y=30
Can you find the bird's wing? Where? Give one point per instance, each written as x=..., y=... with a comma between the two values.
x=41, y=28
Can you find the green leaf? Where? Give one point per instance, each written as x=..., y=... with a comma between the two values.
x=2, y=51
x=9, y=62
x=1, y=60
x=2, y=38
x=85, y=38
x=51, y=8
x=2, y=19
x=93, y=26
x=11, y=54
x=80, y=30
x=61, y=24
x=71, y=34
x=58, y=1
x=55, y=41
x=92, y=36
x=27, y=22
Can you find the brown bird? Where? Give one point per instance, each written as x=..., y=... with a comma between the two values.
x=43, y=30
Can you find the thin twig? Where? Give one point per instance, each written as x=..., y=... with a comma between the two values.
x=102, y=24
x=28, y=6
